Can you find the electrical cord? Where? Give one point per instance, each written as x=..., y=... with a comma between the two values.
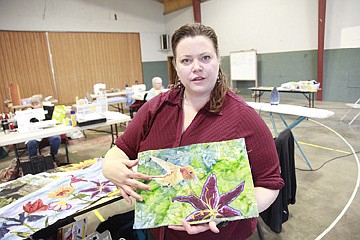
x=330, y=160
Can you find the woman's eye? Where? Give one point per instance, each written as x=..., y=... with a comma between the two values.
x=206, y=58
x=186, y=61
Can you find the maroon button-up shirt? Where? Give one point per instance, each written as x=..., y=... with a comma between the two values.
x=158, y=124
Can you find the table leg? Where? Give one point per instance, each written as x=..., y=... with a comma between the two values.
x=257, y=95
x=310, y=99
x=118, y=106
x=121, y=107
x=112, y=135
x=260, y=94
x=17, y=156
x=116, y=132
x=254, y=95
x=291, y=126
x=16, y=151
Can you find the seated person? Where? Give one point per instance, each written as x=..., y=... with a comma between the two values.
x=54, y=141
x=156, y=89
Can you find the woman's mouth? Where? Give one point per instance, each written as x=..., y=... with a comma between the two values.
x=198, y=79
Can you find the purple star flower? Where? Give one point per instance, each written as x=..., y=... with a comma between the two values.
x=101, y=187
x=211, y=204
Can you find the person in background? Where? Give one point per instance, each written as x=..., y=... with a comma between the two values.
x=54, y=141
x=156, y=88
x=199, y=109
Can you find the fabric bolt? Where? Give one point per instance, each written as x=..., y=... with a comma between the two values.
x=235, y=120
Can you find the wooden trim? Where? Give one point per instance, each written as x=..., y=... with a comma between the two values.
x=171, y=70
x=197, y=10
x=321, y=37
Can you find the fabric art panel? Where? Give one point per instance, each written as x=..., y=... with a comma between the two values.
x=55, y=196
x=199, y=183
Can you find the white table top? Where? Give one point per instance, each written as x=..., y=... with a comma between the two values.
x=16, y=137
x=139, y=95
x=292, y=110
x=136, y=96
x=281, y=89
x=112, y=94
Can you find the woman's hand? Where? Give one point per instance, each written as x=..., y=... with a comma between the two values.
x=195, y=229
x=119, y=170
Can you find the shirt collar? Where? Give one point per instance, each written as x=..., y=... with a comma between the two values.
x=176, y=96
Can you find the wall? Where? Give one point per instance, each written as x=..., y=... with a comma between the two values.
x=280, y=30
x=284, y=33
x=274, y=26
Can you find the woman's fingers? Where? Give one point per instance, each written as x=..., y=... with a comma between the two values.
x=137, y=175
x=130, y=191
x=125, y=196
x=126, y=179
x=195, y=229
x=177, y=227
x=213, y=227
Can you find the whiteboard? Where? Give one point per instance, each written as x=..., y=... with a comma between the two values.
x=243, y=65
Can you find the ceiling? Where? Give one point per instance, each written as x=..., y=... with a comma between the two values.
x=175, y=5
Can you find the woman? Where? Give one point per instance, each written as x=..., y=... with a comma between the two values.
x=54, y=141
x=200, y=109
x=156, y=88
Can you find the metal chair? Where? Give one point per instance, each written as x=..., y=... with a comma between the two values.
x=136, y=105
x=355, y=105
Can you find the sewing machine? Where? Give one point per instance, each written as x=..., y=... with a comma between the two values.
x=32, y=120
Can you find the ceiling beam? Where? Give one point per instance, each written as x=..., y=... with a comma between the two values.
x=175, y=5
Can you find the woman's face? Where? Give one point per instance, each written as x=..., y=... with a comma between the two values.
x=197, y=65
x=36, y=105
x=157, y=85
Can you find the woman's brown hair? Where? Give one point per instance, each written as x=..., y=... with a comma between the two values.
x=193, y=30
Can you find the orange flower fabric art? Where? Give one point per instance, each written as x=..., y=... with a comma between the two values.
x=38, y=205
x=61, y=192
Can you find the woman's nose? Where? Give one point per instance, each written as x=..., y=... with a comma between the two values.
x=197, y=66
